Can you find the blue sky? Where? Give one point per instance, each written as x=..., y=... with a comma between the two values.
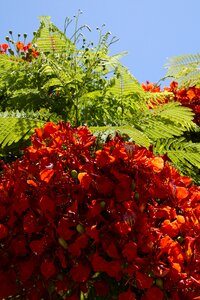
x=149, y=30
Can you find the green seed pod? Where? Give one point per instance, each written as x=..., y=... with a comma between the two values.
x=159, y=283
x=10, y=32
x=25, y=35
x=133, y=185
x=80, y=228
x=136, y=196
x=102, y=204
x=74, y=174
x=180, y=239
x=60, y=276
x=63, y=243
x=11, y=51
x=7, y=38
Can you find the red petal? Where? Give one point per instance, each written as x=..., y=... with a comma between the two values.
x=130, y=251
x=128, y=295
x=84, y=180
x=32, y=182
x=46, y=175
x=80, y=273
x=143, y=281
x=181, y=192
x=48, y=269
x=3, y=231
x=154, y=293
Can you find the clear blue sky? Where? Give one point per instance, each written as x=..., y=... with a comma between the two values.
x=149, y=30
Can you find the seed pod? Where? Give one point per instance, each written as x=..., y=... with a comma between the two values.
x=63, y=243
x=136, y=196
x=80, y=228
x=159, y=283
x=102, y=204
x=133, y=185
x=180, y=239
x=74, y=174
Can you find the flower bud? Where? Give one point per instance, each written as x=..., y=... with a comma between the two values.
x=63, y=243
x=7, y=38
x=159, y=283
x=102, y=204
x=10, y=32
x=180, y=239
x=74, y=174
x=133, y=185
x=25, y=35
x=136, y=196
x=80, y=228
x=11, y=51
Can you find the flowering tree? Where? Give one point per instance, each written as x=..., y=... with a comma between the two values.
x=54, y=78
x=86, y=216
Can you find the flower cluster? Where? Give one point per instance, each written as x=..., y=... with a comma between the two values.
x=189, y=97
x=3, y=48
x=27, y=51
x=115, y=222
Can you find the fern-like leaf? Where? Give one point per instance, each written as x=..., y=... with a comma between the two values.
x=184, y=155
x=133, y=134
x=185, y=69
x=14, y=127
x=49, y=39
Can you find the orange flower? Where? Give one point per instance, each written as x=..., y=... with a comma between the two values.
x=157, y=164
x=181, y=192
x=20, y=46
x=84, y=180
x=35, y=53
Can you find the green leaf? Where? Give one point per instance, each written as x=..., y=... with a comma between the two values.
x=49, y=39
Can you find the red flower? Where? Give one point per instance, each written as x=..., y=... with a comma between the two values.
x=48, y=269
x=8, y=284
x=101, y=288
x=3, y=231
x=128, y=295
x=30, y=223
x=122, y=228
x=47, y=205
x=37, y=246
x=153, y=293
x=3, y=48
x=46, y=175
x=103, y=158
x=143, y=281
x=26, y=269
x=130, y=251
x=80, y=243
x=80, y=272
x=64, y=230
x=85, y=180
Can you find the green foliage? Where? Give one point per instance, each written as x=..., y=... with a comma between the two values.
x=185, y=69
x=49, y=39
x=184, y=155
x=15, y=130
x=86, y=85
